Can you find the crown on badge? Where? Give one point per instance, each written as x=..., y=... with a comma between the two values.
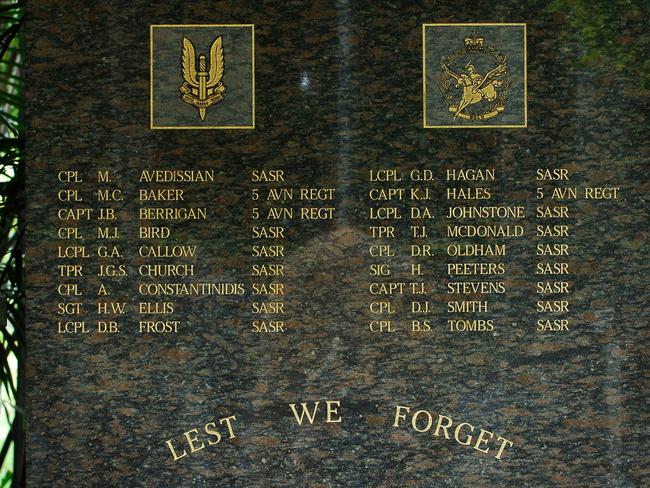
x=474, y=42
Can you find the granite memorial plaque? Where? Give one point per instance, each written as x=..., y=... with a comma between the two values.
x=337, y=244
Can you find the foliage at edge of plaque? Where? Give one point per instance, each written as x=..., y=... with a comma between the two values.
x=12, y=228
x=597, y=24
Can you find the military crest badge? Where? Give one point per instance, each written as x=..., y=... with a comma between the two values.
x=469, y=94
x=474, y=75
x=202, y=87
x=202, y=76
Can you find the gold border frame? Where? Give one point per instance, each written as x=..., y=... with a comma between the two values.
x=182, y=127
x=424, y=77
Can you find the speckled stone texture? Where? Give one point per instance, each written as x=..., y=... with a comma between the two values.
x=575, y=404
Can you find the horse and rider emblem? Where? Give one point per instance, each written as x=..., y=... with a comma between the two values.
x=469, y=94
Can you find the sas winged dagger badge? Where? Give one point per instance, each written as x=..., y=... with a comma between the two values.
x=202, y=88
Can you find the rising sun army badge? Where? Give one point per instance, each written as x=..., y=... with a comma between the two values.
x=469, y=94
x=202, y=87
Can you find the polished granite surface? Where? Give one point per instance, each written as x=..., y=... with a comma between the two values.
x=338, y=93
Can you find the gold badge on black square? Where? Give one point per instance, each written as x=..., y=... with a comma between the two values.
x=474, y=76
x=202, y=76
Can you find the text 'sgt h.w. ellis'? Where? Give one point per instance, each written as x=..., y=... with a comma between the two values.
x=202, y=88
